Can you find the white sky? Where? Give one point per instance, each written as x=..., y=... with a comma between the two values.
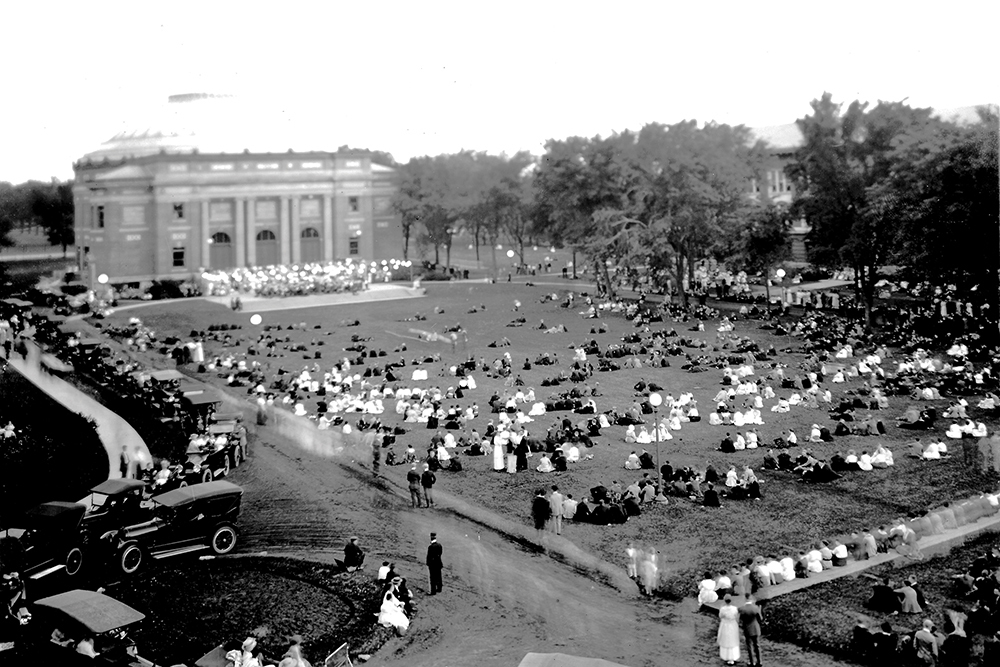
x=426, y=77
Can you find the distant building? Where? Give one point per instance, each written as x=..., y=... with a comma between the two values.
x=195, y=194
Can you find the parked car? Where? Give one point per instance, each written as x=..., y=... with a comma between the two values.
x=214, y=454
x=46, y=539
x=185, y=520
x=115, y=503
x=58, y=623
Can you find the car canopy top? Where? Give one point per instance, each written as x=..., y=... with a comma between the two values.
x=167, y=375
x=96, y=613
x=188, y=494
x=204, y=398
x=56, y=515
x=563, y=660
x=114, y=487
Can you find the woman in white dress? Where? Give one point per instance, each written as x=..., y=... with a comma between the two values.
x=729, y=632
x=498, y=452
x=706, y=590
x=391, y=613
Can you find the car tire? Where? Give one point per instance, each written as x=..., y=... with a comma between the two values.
x=74, y=561
x=206, y=475
x=223, y=540
x=130, y=558
x=182, y=484
x=226, y=467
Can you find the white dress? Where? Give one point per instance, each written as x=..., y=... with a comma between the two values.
x=391, y=614
x=729, y=633
x=498, y=463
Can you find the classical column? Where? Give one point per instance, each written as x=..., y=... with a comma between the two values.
x=296, y=232
x=206, y=236
x=327, y=228
x=251, y=232
x=241, y=232
x=285, y=238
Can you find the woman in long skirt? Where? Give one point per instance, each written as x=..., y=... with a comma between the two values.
x=498, y=456
x=729, y=632
x=511, y=458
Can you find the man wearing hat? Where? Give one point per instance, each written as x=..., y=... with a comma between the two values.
x=427, y=480
x=413, y=481
x=434, y=564
x=354, y=557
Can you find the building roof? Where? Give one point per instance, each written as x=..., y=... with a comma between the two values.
x=211, y=124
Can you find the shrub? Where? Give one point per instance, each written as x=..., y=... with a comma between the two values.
x=166, y=289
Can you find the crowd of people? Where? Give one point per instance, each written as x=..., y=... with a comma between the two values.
x=309, y=278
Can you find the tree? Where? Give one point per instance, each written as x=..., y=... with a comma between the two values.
x=14, y=208
x=761, y=241
x=52, y=208
x=686, y=184
x=842, y=175
x=945, y=184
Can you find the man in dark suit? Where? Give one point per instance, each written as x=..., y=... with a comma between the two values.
x=750, y=620
x=434, y=564
x=711, y=497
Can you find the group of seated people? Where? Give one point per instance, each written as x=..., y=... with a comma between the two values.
x=310, y=278
x=395, y=601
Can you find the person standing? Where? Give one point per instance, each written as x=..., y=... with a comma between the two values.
x=126, y=462
x=540, y=511
x=729, y=632
x=750, y=620
x=427, y=480
x=413, y=481
x=434, y=564
x=376, y=456
x=556, y=504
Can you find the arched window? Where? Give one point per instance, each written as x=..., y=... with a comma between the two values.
x=266, y=235
x=221, y=238
x=310, y=233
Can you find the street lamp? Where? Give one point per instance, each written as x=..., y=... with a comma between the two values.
x=656, y=401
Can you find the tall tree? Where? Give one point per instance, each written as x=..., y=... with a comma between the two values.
x=52, y=208
x=760, y=241
x=842, y=175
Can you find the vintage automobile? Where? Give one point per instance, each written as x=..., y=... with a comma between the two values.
x=222, y=447
x=185, y=520
x=58, y=623
x=115, y=503
x=46, y=539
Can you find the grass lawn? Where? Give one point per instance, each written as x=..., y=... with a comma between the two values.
x=57, y=454
x=690, y=538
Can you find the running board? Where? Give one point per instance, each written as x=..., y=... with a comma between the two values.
x=47, y=571
x=178, y=552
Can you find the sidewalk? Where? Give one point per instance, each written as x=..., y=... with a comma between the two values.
x=930, y=546
x=112, y=429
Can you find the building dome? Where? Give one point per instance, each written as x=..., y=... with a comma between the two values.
x=205, y=123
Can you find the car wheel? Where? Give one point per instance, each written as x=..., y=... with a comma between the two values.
x=206, y=475
x=74, y=561
x=130, y=559
x=237, y=457
x=182, y=484
x=223, y=540
x=226, y=467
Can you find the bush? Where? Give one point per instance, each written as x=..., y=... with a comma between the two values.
x=166, y=289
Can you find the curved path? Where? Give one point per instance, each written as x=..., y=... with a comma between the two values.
x=111, y=428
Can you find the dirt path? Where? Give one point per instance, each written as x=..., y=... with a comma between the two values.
x=500, y=600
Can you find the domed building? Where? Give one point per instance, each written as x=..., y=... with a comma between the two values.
x=196, y=190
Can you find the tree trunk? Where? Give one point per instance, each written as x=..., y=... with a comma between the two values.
x=406, y=242
x=437, y=253
x=574, y=264
x=447, y=254
x=496, y=269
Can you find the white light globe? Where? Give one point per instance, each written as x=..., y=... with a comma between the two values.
x=780, y=273
x=256, y=319
x=655, y=400
x=103, y=279
x=510, y=253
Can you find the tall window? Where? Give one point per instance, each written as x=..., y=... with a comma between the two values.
x=221, y=238
x=100, y=217
x=178, y=257
x=353, y=204
x=310, y=233
x=352, y=247
x=178, y=211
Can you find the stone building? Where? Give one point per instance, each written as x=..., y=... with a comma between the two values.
x=197, y=191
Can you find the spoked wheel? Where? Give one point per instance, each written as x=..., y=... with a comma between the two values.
x=206, y=475
x=74, y=561
x=223, y=540
x=130, y=559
